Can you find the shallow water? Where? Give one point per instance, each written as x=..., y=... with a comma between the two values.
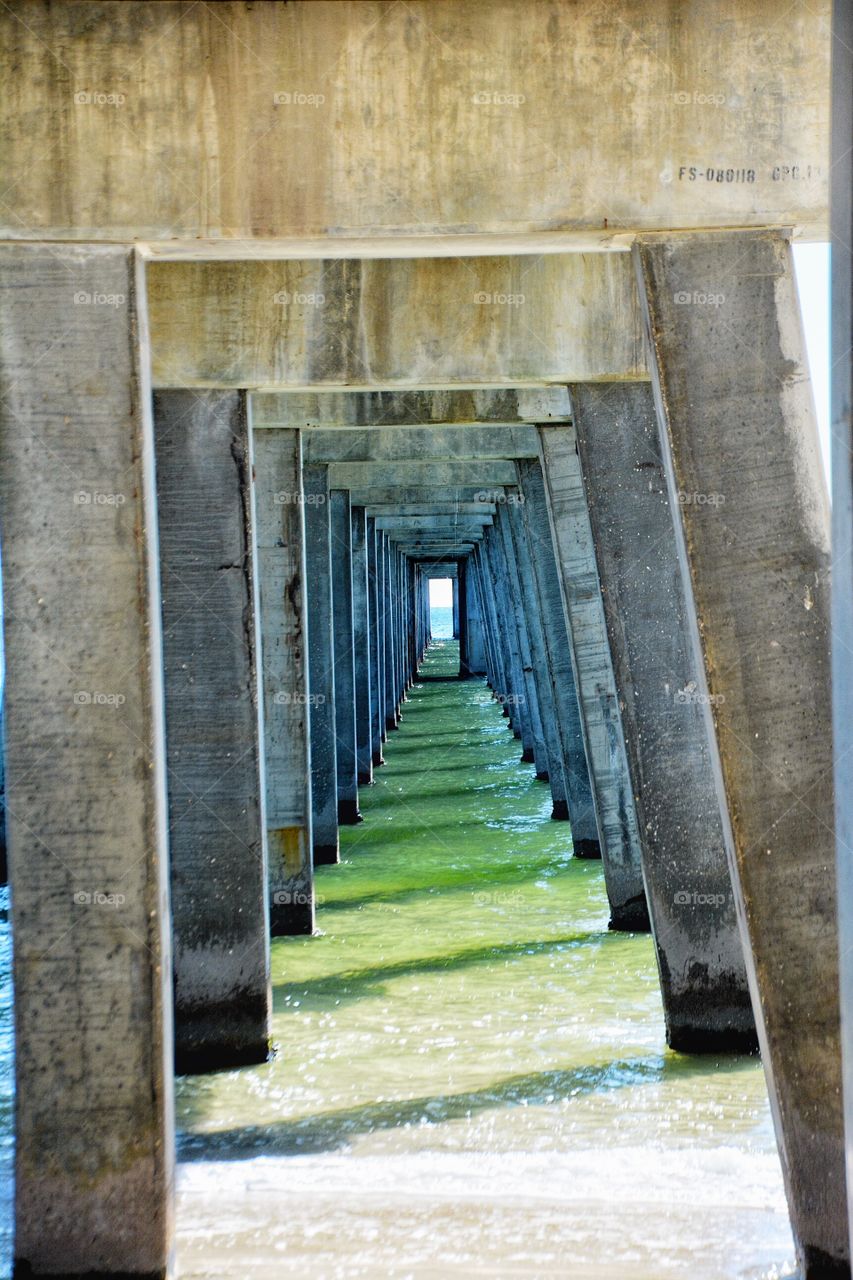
x=472, y=1078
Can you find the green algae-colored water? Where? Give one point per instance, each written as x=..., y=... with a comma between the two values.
x=471, y=1077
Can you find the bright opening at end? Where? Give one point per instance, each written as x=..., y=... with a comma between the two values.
x=441, y=608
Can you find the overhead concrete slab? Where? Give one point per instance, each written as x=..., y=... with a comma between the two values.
x=330, y=409
x=390, y=444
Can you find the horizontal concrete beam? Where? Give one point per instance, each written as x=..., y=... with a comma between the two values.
x=440, y=475
x=488, y=322
x=434, y=509
x=431, y=495
x=271, y=120
x=331, y=409
x=390, y=444
x=457, y=525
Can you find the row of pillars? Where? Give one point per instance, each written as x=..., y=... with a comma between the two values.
x=208, y=643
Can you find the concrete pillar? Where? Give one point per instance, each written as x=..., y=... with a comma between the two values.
x=511, y=696
x=593, y=670
x=554, y=770
x=387, y=623
x=688, y=887
x=377, y=692
x=474, y=615
x=342, y=627
x=462, y=595
x=284, y=664
x=455, y=608
x=841, y=229
x=321, y=667
x=535, y=752
x=361, y=640
x=626, y=910
x=217, y=836
x=85, y=767
x=743, y=468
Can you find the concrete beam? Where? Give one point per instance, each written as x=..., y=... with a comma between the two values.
x=236, y=143
x=217, y=833
x=444, y=477
x=274, y=326
x=391, y=444
x=410, y=408
x=85, y=769
x=744, y=471
x=284, y=663
x=437, y=509
x=432, y=496
x=441, y=525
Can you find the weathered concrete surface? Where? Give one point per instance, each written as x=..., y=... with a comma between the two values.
x=284, y=665
x=409, y=408
x=688, y=887
x=476, y=624
x=842, y=526
x=442, y=476
x=391, y=444
x=342, y=629
x=321, y=666
x=743, y=468
x=85, y=757
x=354, y=323
x=535, y=751
x=541, y=557
x=325, y=119
x=362, y=647
x=590, y=651
x=217, y=835
x=513, y=697
x=376, y=636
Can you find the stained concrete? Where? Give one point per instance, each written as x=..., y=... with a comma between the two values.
x=321, y=666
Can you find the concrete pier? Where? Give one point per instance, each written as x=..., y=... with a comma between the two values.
x=284, y=665
x=688, y=887
x=362, y=646
x=220, y=919
x=344, y=642
x=744, y=471
x=535, y=751
x=321, y=666
x=85, y=755
x=377, y=646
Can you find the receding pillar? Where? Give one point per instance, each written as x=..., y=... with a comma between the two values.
x=284, y=665
x=688, y=887
x=387, y=624
x=536, y=752
x=85, y=767
x=220, y=920
x=841, y=231
x=744, y=471
x=361, y=642
x=342, y=627
x=377, y=699
x=625, y=905
x=321, y=667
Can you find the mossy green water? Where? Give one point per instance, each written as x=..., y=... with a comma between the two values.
x=465, y=1020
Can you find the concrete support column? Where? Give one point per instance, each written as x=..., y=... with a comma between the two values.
x=536, y=753
x=688, y=887
x=626, y=910
x=361, y=642
x=284, y=664
x=217, y=832
x=512, y=695
x=744, y=471
x=342, y=627
x=455, y=608
x=321, y=667
x=387, y=623
x=462, y=593
x=841, y=230
x=85, y=767
x=377, y=647
x=593, y=670
x=474, y=614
